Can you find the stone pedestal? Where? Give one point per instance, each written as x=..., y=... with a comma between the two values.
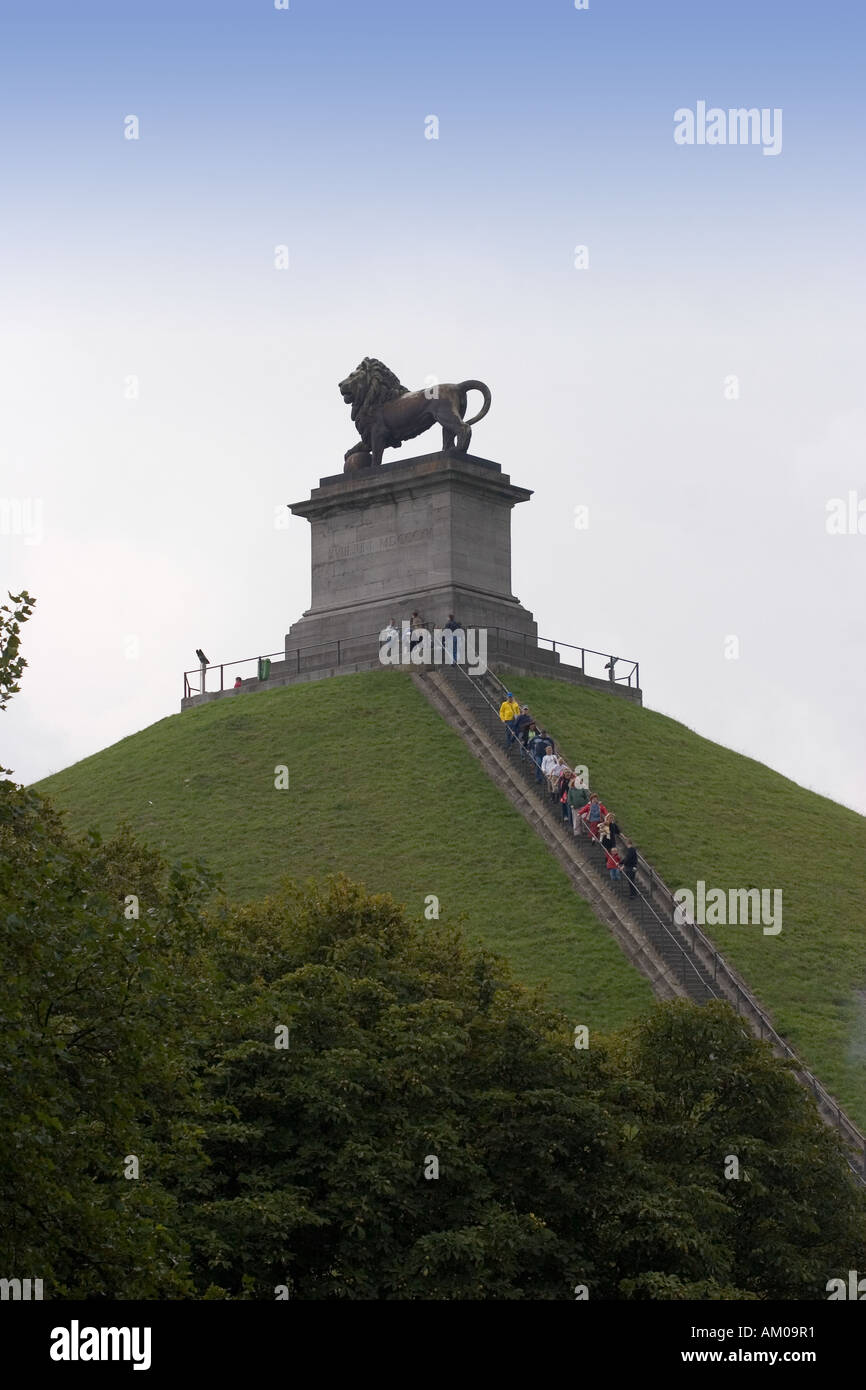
x=431, y=533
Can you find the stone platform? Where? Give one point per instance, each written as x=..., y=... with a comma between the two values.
x=431, y=533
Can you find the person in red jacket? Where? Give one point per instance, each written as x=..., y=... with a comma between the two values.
x=612, y=862
x=593, y=814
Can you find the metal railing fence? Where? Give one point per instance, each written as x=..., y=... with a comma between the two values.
x=344, y=651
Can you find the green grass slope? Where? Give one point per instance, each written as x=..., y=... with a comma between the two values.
x=700, y=811
x=379, y=788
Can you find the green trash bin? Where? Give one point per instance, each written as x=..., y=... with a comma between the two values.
x=264, y=667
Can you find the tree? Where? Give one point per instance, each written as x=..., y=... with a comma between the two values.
x=101, y=974
x=96, y=1008
x=12, y=663
x=736, y=1183
x=328, y=1097
x=420, y=1137
x=604, y=1167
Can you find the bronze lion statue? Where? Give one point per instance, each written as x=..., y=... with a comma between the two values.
x=386, y=414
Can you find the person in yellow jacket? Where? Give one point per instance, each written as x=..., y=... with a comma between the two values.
x=509, y=710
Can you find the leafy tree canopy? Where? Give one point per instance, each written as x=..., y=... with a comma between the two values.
x=428, y=1131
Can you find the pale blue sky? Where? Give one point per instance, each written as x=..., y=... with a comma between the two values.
x=451, y=257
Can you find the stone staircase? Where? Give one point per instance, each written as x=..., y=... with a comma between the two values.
x=474, y=704
x=656, y=947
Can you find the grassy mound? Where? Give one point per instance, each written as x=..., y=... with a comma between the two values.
x=380, y=788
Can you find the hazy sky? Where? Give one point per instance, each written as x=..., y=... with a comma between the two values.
x=147, y=525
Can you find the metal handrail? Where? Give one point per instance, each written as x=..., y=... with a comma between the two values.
x=223, y=666
x=556, y=643
x=720, y=966
x=340, y=643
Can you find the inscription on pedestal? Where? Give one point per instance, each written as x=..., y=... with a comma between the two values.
x=373, y=546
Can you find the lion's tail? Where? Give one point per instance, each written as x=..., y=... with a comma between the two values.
x=485, y=391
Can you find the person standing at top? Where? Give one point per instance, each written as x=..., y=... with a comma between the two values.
x=387, y=637
x=238, y=683
x=452, y=627
x=416, y=623
x=509, y=711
